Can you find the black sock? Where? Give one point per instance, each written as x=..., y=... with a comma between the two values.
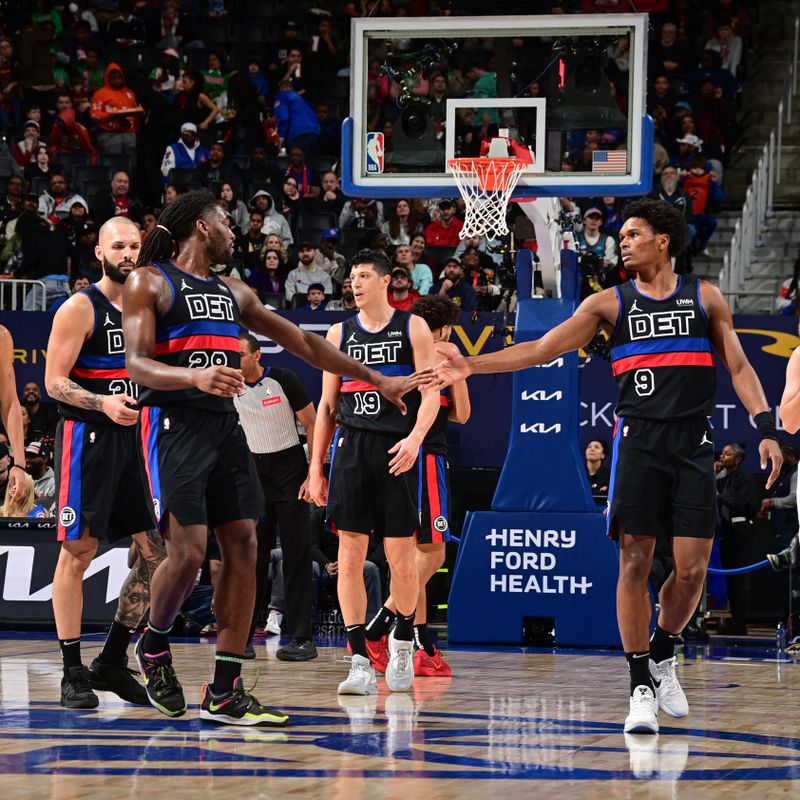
x=405, y=628
x=155, y=641
x=422, y=639
x=639, y=665
x=227, y=668
x=381, y=624
x=116, y=645
x=70, y=652
x=662, y=645
x=357, y=639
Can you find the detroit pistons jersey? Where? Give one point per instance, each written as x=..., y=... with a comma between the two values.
x=389, y=352
x=436, y=437
x=100, y=366
x=200, y=329
x=661, y=354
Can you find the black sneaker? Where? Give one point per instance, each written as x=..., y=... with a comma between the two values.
x=297, y=650
x=239, y=707
x=76, y=690
x=249, y=652
x=118, y=678
x=163, y=689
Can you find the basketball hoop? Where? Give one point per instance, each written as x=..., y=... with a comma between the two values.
x=486, y=184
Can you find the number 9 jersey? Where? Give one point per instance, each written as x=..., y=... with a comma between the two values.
x=661, y=354
x=388, y=351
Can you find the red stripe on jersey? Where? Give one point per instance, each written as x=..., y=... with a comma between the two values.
x=66, y=460
x=434, y=501
x=357, y=386
x=100, y=374
x=662, y=360
x=145, y=433
x=200, y=342
x=444, y=400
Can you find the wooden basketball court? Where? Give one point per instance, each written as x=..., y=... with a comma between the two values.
x=508, y=721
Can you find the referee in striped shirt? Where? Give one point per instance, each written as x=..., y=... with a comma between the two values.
x=274, y=398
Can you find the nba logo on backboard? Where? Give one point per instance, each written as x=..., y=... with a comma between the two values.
x=374, y=153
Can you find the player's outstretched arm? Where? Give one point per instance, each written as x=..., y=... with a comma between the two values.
x=145, y=291
x=310, y=347
x=743, y=376
x=790, y=402
x=11, y=412
x=324, y=426
x=72, y=326
x=597, y=310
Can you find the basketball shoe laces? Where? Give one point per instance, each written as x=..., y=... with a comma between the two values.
x=359, y=669
x=403, y=659
x=164, y=678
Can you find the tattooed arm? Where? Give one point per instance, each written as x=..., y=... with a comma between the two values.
x=72, y=326
x=134, y=594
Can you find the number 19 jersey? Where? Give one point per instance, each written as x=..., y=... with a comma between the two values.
x=388, y=351
x=661, y=354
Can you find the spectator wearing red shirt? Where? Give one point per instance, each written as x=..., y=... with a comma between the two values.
x=117, y=113
x=401, y=295
x=69, y=136
x=444, y=232
x=118, y=202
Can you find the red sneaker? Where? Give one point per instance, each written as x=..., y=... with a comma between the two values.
x=434, y=666
x=378, y=653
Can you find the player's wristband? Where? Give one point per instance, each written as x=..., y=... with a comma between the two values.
x=766, y=426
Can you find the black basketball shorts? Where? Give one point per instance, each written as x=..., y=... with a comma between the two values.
x=662, y=479
x=434, y=498
x=362, y=495
x=98, y=481
x=197, y=466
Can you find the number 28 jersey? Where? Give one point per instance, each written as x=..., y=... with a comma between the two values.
x=200, y=329
x=389, y=352
x=661, y=354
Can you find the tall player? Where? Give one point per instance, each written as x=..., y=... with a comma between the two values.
x=99, y=487
x=373, y=473
x=182, y=342
x=662, y=329
x=433, y=500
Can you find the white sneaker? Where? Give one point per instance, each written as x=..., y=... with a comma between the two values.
x=274, y=620
x=643, y=715
x=671, y=698
x=361, y=679
x=400, y=670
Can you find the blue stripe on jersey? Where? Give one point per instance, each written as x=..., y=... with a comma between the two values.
x=154, y=416
x=679, y=344
x=390, y=370
x=101, y=362
x=197, y=328
x=75, y=492
x=440, y=473
x=614, y=458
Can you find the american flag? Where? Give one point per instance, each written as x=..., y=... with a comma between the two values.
x=610, y=161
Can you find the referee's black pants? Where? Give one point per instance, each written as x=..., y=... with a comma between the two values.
x=282, y=474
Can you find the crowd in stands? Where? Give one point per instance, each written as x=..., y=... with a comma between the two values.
x=117, y=107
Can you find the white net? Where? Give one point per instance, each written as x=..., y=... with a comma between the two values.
x=486, y=184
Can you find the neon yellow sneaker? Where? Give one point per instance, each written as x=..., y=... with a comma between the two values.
x=239, y=707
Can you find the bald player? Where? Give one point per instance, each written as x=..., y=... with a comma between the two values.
x=99, y=490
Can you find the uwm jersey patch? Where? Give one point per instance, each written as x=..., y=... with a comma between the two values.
x=100, y=365
x=661, y=354
x=389, y=352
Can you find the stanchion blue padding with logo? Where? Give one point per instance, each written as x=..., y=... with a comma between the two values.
x=541, y=553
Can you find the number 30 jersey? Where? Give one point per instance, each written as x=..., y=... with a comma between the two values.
x=200, y=329
x=661, y=354
x=389, y=352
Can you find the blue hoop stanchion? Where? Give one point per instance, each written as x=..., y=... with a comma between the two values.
x=739, y=570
